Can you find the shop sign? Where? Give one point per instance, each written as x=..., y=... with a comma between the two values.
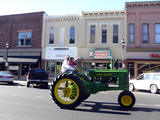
x=59, y=53
x=155, y=55
x=13, y=67
x=101, y=54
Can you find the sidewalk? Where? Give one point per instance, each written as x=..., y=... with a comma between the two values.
x=24, y=82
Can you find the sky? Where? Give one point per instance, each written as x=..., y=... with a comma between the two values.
x=60, y=7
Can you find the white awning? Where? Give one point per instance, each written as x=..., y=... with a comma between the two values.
x=20, y=60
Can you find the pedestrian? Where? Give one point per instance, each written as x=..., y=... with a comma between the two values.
x=65, y=64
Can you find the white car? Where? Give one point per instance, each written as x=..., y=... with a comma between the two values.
x=146, y=81
x=6, y=76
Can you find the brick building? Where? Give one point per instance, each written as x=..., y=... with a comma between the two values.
x=23, y=33
x=143, y=48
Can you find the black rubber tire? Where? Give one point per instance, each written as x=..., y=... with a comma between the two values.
x=81, y=88
x=45, y=85
x=86, y=96
x=130, y=95
x=10, y=83
x=28, y=84
x=153, y=89
x=131, y=87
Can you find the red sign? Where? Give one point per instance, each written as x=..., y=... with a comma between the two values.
x=155, y=55
x=101, y=54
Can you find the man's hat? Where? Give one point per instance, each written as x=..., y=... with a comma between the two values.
x=67, y=56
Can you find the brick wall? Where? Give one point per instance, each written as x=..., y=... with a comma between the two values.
x=11, y=24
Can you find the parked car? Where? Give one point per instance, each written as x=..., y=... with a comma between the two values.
x=6, y=77
x=37, y=76
x=146, y=81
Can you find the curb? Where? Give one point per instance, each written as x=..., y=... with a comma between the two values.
x=24, y=83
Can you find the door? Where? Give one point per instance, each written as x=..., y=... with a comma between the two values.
x=138, y=81
x=143, y=82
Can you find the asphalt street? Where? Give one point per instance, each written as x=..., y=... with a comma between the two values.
x=20, y=103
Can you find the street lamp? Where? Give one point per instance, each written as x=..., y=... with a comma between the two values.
x=123, y=45
x=6, y=64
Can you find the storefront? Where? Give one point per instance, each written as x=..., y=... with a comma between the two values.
x=54, y=57
x=19, y=66
x=99, y=59
x=143, y=62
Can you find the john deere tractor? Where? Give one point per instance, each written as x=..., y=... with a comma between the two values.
x=71, y=88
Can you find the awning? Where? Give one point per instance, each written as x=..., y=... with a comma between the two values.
x=19, y=60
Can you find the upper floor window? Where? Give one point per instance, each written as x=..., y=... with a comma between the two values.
x=24, y=38
x=145, y=33
x=115, y=33
x=51, y=36
x=92, y=33
x=72, y=35
x=131, y=33
x=157, y=33
x=104, y=34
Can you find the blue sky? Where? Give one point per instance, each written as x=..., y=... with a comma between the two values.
x=60, y=7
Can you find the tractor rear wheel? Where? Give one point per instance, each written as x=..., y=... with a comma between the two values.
x=68, y=92
x=126, y=99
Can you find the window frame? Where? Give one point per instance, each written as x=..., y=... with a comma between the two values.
x=117, y=35
x=92, y=36
x=24, y=39
x=103, y=42
x=145, y=33
x=51, y=35
x=74, y=32
x=131, y=34
x=140, y=77
x=156, y=33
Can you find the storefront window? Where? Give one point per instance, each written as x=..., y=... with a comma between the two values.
x=53, y=68
x=50, y=68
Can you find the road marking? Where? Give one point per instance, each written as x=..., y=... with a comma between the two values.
x=149, y=105
x=138, y=93
x=143, y=93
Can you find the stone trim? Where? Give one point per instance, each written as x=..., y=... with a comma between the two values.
x=103, y=13
x=142, y=49
x=146, y=4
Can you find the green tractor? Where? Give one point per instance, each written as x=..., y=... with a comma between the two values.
x=71, y=88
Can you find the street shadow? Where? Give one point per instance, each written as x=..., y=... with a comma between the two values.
x=111, y=108
x=102, y=107
x=10, y=84
x=41, y=87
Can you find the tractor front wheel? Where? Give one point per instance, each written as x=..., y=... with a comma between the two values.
x=126, y=99
x=67, y=92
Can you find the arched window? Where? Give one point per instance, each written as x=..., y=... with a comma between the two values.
x=72, y=35
x=51, y=38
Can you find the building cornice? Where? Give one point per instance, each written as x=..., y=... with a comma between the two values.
x=146, y=4
x=104, y=13
x=62, y=18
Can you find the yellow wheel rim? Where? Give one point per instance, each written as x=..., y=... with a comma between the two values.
x=126, y=100
x=66, y=91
